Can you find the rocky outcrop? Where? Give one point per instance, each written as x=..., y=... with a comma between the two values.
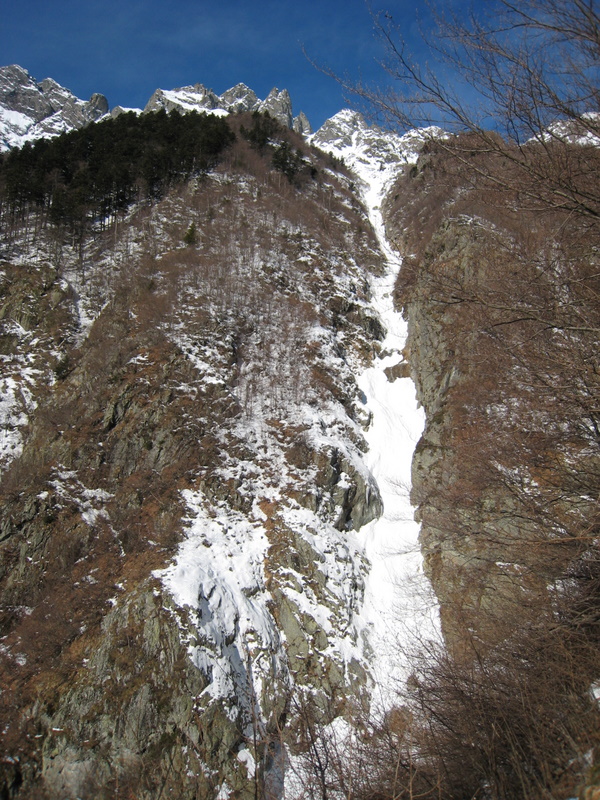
x=471, y=537
x=302, y=125
x=467, y=285
x=279, y=105
x=239, y=98
x=19, y=92
x=41, y=109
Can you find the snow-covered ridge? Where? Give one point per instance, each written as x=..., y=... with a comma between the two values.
x=375, y=155
x=582, y=131
x=30, y=110
x=237, y=99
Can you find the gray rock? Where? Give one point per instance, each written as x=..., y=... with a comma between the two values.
x=239, y=98
x=279, y=105
x=186, y=98
x=47, y=108
x=97, y=106
x=302, y=125
x=19, y=92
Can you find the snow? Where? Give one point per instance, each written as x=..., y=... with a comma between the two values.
x=371, y=580
x=90, y=502
x=398, y=597
x=583, y=131
x=218, y=578
x=244, y=756
x=16, y=403
x=15, y=119
x=190, y=100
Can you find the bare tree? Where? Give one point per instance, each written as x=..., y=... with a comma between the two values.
x=521, y=79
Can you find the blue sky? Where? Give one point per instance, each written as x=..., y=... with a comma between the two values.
x=127, y=48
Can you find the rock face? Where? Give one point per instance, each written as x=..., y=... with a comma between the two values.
x=507, y=473
x=279, y=105
x=183, y=460
x=183, y=482
x=239, y=98
x=348, y=132
x=471, y=536
x=302, y=125
x=488, y=536
x=31, y=110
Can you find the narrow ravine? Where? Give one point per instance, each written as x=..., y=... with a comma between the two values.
x=399, y=607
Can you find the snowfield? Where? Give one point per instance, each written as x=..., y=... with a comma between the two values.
x=399, y=606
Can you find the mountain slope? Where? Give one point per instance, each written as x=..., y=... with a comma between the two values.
x=183, y=561
x=211, y=583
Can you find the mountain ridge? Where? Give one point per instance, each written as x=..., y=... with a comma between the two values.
x=30, y=109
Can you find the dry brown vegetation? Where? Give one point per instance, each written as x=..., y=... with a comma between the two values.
x=509, y=478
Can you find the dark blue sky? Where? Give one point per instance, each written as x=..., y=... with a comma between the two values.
x=127, y=48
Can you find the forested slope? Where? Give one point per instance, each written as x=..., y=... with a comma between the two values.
x=182, y=458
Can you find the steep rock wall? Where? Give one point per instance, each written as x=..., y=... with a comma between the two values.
x=479, y=286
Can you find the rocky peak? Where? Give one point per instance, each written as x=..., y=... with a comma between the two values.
x=98, y=104
x=348, y=129
x=340, y=130
x=301, y=124
x=279, y=105
x=185, y=98
x=239, y=98
x=19, y=92
x=30, y=110
x=55, y=93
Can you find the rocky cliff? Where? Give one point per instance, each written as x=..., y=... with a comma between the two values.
x=30, y=110
x=501, y=316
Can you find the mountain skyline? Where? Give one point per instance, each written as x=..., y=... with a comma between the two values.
x=127, y=51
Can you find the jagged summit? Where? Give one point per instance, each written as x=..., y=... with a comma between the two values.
x=32, y=110
x=239, y=98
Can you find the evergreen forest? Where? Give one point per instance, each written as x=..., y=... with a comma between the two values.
x=88, y=175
